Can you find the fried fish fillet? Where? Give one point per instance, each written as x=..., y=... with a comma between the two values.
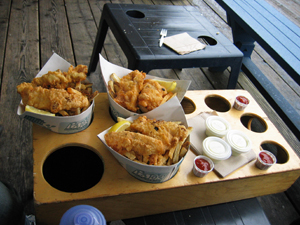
x=52, y=100
x=61, y=80
x=136, y=146
x=170, y=133
x=151, y=95
x=128, y=89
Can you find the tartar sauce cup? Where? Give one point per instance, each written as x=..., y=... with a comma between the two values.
x=238, y=141
x=216, y=149
x=217, y=126
x=241, y=102
x=202, y=166
x=265, y=160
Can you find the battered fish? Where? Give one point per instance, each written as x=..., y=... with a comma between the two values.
x=128, y=89
x=136, y=146
x=170, y=133
x=61, y=80
x=151, y=95
x=52, y=100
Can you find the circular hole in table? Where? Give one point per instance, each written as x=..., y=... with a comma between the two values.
x=254, y=123
x=207, y=40
x=73, y=168
x=135, y=14
x=217, y=103
x=188, y=105
x=280, y=153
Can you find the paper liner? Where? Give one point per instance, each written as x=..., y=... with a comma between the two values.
x=224, y=167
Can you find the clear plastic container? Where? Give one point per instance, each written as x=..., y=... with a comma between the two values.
x=238, y=141
x=217, y=126
x=241, y=102
x=261, y=163
x=200, y=172
x=83, y=215
x=216, y=149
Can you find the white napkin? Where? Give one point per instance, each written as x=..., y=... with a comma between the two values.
x=222, y=168
x=183, y=43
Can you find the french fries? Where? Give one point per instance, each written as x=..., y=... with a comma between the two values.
x=61, y=93
x=174, y=149
x=114, y=87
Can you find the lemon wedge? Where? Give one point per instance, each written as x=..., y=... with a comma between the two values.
x=169, y=85
x=32, y=109
x=120, y=126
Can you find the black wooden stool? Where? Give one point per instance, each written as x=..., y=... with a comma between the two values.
x=137, y=28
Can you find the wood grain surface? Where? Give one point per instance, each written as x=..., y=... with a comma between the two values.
x=117, y=188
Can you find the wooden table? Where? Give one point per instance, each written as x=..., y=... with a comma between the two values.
x=119, y=195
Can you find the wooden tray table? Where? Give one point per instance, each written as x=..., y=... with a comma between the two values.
x=118, y=195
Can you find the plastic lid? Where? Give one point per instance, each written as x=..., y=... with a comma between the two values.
x=217, y=126
x=83, y=215
x=238, y=141
x=216, y=148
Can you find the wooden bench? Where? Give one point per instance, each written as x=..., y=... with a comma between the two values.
x=256, y=20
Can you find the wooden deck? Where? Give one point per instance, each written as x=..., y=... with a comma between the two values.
x=32, y=30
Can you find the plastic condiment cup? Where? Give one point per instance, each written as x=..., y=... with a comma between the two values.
x=241, y=102
x=217, y=126
x=200, y=172
x=261, y=164
x=238, y=141
x=216, y=149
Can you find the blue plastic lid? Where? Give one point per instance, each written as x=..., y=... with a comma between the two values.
x=83, y=215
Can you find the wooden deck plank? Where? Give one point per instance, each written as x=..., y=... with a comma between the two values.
x=54, y=31
x=82, y=29
x=21, y=64
x=4, y=18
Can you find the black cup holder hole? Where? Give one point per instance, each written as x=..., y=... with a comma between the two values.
x=207, y=40
x=217, y=103
x=73, y=168
x=135, y=14
x=280, y=153
x=188, y=105
x=254, y=123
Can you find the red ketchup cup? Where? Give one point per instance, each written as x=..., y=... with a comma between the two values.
x=202, y=165
x=241, y=102
x=265, y=160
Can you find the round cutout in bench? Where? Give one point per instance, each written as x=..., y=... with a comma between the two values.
x=73, y=168
x=217, y=103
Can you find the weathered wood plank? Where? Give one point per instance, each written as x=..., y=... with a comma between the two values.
x=83, y=30
x=54, y=31
x=21, y=64
x=278, y=204
x=4, y=18
x=291, y=9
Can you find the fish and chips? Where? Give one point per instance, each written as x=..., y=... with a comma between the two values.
x=136, y=94
x=61, y=93
x=151, y=141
